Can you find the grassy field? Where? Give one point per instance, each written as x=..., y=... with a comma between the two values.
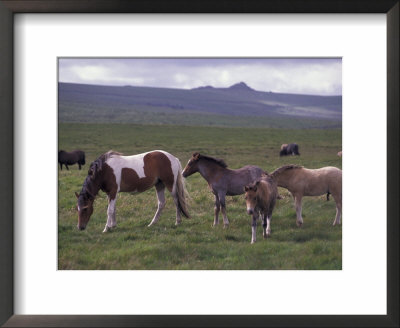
x=195, y=244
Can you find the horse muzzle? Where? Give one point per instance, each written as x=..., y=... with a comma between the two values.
x=81, y=228
x=250, y=211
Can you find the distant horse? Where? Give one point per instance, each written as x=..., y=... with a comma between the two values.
x=340, y=153
x=113, y=173
x=221, y=180
x=70, y=158
x=306, y=182
x=289, y=149
x=260, y=199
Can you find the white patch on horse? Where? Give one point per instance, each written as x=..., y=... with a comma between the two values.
x=134, y=162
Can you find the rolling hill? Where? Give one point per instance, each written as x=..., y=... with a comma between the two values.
x=238, y=105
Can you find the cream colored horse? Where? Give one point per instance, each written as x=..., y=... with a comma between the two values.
x=306, y=182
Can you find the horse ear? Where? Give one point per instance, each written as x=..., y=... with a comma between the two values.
x=246, y=188
x=76, y=194
x=196, y=156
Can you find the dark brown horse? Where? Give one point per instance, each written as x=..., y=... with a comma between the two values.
x=289, y=149
x=70, y=158
x=260, y=198
x=221, y=180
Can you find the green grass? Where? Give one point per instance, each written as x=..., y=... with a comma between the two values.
x=195, y=244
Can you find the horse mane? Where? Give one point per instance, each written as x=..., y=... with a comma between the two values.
x=94, y=169
x=218, y=161
x=284, y=168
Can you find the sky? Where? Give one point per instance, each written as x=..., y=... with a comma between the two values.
x=316, y=76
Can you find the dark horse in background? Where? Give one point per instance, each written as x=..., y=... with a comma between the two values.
x=289, y=149
x=221, y=180
x=70, y=158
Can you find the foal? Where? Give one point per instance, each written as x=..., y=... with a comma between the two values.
x=260, y=200
x=306, y=182
x=221, y=180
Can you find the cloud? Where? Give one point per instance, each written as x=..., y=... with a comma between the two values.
x=304, y=76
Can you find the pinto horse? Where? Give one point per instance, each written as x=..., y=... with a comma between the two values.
x=70, y=158
x=113, y=173
x=260, y=198
x=306, y=182
x=221, y=180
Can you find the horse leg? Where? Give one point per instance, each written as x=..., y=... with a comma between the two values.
x=266, y=225
x=61, y=166
x=79, y=165
x=299, y=219
x=66, y=166
x=223, y=209
x=338, y=201
x=217, y=208
x=160, y=187
x=254, y=227
x=111, y=220
x=178, y=212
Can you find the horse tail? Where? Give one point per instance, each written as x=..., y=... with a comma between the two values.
x=181, y=192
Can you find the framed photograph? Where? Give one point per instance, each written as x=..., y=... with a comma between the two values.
x=176, y=89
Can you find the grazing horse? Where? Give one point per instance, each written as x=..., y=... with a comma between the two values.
x=70, y=158
x=306, y=182
x=289, y=149
x=113, y=173
x=260, y=199
x=221, y=180
x=340, y=153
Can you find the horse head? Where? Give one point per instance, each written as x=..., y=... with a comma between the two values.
x=191, y=167
x=85, y=210
x=251, y=197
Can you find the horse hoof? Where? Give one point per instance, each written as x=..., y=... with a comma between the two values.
x=252, y=242
x=226, y=226
x=299, y=224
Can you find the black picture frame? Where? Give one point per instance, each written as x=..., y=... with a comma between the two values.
x=10, y=7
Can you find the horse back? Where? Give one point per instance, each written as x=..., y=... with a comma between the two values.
x=319, y=181
x=237, y=179
x=138, y=173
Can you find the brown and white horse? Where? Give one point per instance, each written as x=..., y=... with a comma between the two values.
x=113, y=173
x=307, y=182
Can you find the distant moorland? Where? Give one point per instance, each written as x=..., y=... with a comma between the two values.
x=238, y=105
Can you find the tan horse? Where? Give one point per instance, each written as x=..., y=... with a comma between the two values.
x=306, y=182
x=260, y=200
